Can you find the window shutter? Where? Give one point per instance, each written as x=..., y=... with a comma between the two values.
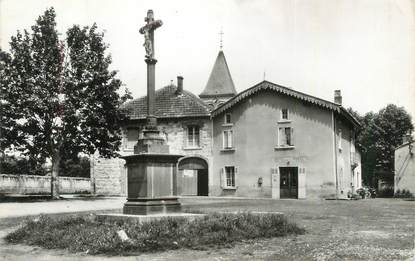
x=281, y=137
x=236, y=177
x=185, y=130
x=230, y=139
x=302, y=183
x=223, y=139
x=222, y=178
x=292, y=137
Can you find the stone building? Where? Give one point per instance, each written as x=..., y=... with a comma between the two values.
x=405, y=167
x=266, y=141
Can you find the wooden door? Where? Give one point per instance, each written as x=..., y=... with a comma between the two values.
x=288, y=182
x=202, y=182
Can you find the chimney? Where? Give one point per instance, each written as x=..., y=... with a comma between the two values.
x=179, y=85
x=338, y=97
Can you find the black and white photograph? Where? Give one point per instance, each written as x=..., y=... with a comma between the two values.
x=207, y=130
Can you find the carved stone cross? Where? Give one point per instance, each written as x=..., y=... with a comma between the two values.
x=148, y=31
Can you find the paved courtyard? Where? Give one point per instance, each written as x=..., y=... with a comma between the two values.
x=376, y=229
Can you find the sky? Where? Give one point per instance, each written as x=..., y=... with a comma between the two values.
x=365, y=48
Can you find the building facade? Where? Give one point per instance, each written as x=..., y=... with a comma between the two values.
x=405, y=167
x=267, y=141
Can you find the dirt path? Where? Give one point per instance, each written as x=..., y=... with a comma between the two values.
x=19, y=209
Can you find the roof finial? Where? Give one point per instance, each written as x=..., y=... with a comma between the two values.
x=221, y=39
x=264, y=75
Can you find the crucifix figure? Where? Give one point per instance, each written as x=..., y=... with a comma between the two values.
x=148, y=31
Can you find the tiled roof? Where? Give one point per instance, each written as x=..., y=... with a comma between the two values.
x=168, y=104
x=265, y=85
x=220, y=83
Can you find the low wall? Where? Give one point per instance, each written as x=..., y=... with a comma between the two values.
x=31, y=184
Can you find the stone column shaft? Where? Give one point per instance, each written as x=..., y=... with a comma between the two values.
x=151, y=91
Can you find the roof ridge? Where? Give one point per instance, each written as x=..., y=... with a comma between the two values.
x=200, y=101
x=263, y=85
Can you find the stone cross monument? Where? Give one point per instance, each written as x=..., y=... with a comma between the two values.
x=148, y=31
x=152, y=185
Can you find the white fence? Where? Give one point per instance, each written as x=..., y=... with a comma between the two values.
x=31, y=184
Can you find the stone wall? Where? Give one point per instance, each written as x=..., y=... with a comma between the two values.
x=108, y=176
x=31, y=184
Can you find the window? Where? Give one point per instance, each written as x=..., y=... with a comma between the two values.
x=228, y=119
x=284, y=114
x=193, y=139
x=228, y=177
x=285, y=137
x=132, y=138
x=227, y=139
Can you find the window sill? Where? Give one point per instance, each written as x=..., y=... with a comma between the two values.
x=229, y=188
x=128, y=149
x=228, y=150
x=227, y=125
x=284, y=148
x=284, y=121
x=192, y=148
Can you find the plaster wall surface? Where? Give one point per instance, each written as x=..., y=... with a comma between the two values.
x=256, y=121
x=404, y=169
x=344, y=148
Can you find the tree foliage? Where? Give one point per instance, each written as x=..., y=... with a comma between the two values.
x=380, y=135
x=20, y=165
x=60, y=96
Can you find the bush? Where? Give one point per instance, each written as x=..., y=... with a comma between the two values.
x=386, y=192
x=366, y=192
x=86, y=233
x=78, y=167
x=403, y=194
x=20, y=165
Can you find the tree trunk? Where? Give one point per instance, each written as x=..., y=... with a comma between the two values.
x=54, y=183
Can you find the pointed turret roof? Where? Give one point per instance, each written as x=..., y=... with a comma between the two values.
x=220, y=83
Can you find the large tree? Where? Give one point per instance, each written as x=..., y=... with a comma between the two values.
x=62, y=99
x=378, y=138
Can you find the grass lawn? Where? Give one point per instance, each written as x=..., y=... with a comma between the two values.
x=373, y=229
x=85, y=233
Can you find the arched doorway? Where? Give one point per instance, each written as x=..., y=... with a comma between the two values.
x=193, y=177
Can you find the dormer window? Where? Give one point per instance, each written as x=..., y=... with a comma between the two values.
x=284, y=114
x=228, y=119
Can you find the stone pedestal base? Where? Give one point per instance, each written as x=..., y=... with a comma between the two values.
x=148, y=206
